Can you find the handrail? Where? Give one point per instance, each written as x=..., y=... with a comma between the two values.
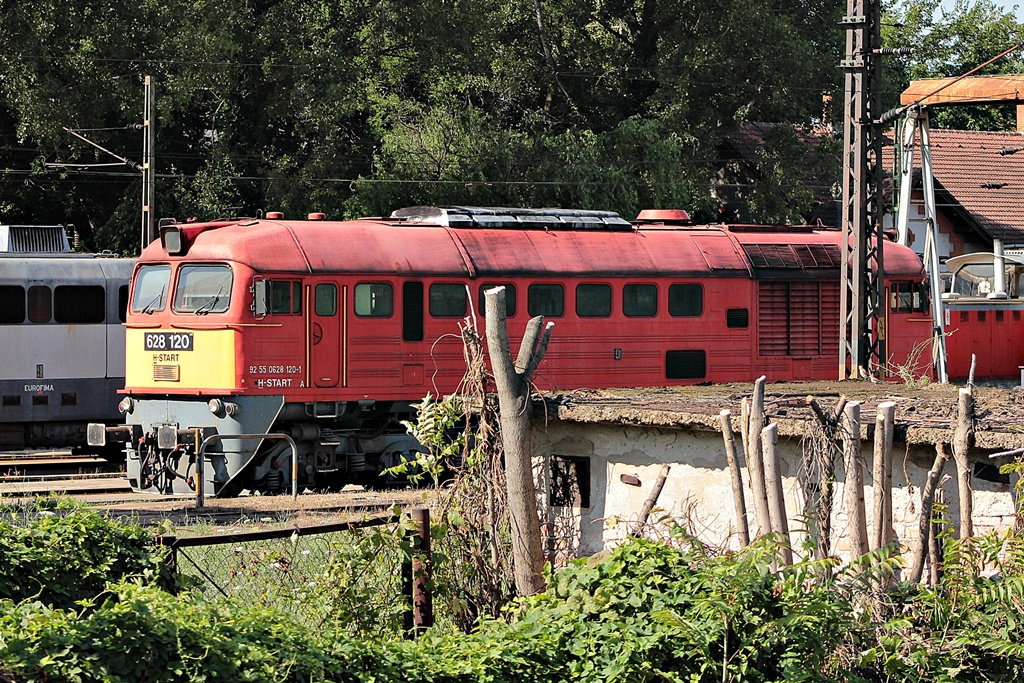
x=201, y=461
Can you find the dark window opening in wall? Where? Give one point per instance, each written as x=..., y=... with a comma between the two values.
x=981, y=316
x=546, y=300
x=593, y=301
x=570, y=481
x=122, y=302
x=79, y=304
x=989, y=472
x=448, y=300
x=686, y=364
x=412, y=311
x=965, y=317
x=12, y=305
x=640, y=300
x=40, y=304
x=40, y=400
x=510, y=298
x=285, y=297
x=325, y=299
x=685, y=300
x=11, y=401
x=69, y=399
x=737, y=318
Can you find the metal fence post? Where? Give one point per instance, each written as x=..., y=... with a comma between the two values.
x=422, y=595
x=170, y=542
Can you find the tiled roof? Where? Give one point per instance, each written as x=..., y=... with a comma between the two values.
x=989, y=186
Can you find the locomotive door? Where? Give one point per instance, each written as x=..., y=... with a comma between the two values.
x=326, y=333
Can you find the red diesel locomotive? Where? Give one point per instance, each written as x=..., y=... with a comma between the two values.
x=328, y=331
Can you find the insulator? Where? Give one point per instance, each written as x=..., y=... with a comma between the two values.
x=890, y=115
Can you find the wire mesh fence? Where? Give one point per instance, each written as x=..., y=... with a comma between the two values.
x=355, y=575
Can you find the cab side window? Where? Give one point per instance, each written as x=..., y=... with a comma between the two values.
x=285, y=297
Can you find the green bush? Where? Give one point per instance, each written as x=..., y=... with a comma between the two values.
x=62, y=557
x=642, y=612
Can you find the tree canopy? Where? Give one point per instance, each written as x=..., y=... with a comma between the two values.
x=357, y=108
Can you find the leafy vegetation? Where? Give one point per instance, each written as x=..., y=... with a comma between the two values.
x=645, y=611
x=70, y=553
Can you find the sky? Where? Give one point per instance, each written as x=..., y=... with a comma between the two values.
x=1007, y=5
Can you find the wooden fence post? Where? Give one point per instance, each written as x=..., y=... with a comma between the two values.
x=963, y=435
x=736, y=477
x=755, y=463
x=854, y=465
x=773, y=482
x=882, y=474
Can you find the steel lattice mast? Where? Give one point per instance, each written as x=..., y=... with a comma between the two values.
x=861, y=331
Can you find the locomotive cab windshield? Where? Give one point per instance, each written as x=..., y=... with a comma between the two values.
x=203, y=289
x=151, y=286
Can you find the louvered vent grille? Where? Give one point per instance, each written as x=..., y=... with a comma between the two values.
x=798, y=318
x=686, y=364
x=33, y=239
x=166, y=373
x=792, y=257
x=773, y=318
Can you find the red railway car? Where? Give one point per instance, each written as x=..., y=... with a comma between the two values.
x=329, y=331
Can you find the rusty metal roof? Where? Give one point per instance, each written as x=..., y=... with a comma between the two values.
x=936, y=92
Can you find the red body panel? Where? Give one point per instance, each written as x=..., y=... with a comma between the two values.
x=347, y=357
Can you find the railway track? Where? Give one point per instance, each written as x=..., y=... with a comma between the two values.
x=102, y=484
x=35, y=473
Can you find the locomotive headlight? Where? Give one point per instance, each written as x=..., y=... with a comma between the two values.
x=127, y=405
x=222, y=408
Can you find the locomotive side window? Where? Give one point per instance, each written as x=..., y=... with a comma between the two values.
x=640, y=300
x=546, y=300
x=593, y=301
x=374, y=299
x=685, y=300
x=151, y=285
x=737, y=318
x=510, y=298
x=908, y=297
x=74, y=304
x=325, y=299
x=285, y=297
x=122, y=302
x=12, y=305
x=40, y=304
x=447, y=300
x=203, y=289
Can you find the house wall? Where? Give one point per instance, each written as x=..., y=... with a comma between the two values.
x=698, y=493
x=949, y=242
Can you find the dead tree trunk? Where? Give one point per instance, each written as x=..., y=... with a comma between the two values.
x=738, y=499
x=823, y=475
x=755, y=463
x=925, y=522
x=882, y=474
x=854, y=465
x=652, y=500
x=513, y=385
x=962, y=437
